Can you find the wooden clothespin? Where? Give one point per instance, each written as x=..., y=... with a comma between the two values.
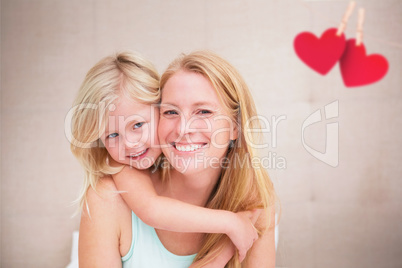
x=345, y=18
x=360, y=21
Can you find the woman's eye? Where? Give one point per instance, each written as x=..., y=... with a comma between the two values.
x=113, y=135
x=138, y=125
x=170, y=112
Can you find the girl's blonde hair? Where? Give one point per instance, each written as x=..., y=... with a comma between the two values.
x=243, y=185
x=125, y=74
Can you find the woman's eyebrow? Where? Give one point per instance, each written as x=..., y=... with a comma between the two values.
x=196, y=104
x=162, y=104
x=204, y=103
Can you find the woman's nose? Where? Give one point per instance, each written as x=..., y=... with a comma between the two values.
x=191, y=124
x=181, y=125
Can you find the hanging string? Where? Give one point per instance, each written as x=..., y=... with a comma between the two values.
x=324, y=18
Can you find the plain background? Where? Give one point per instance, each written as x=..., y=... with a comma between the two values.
x=347, y=216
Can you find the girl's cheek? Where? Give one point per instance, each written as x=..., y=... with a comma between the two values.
x=111, y=143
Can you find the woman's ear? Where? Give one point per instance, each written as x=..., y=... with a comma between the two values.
x=234, y=132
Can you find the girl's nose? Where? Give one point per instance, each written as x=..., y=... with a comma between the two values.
x=130, y=141
x=129, y=145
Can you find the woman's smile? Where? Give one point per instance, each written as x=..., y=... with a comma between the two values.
x=193, y=147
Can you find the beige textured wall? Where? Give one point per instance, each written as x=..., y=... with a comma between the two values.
x=348, y=216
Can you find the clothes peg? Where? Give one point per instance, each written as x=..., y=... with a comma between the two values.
x=360, y=21
x=358, y=68
x=345, y=18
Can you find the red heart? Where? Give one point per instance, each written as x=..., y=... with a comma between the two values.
x=358, y=69
x=320, y=54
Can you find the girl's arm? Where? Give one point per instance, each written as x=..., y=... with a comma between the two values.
x=99, y=238
x=262, y=254
x=229, y=249
x=221, y=260
x=169, y=214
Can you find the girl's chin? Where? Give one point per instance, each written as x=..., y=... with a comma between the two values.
x=143, y=164
x=140, y=167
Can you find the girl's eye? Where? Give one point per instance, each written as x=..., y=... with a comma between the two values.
x=138, y=125
x=113, y=135
x=204, y=112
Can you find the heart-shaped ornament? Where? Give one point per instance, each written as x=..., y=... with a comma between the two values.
x=320, y=54
x=359, y=69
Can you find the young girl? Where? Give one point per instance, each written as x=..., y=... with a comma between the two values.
x=113, y=126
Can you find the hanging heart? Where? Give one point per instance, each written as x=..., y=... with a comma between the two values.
x=320, y=54
x=359, y=69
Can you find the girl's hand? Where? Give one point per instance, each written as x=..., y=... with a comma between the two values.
x=242, y=231
x=219, y=261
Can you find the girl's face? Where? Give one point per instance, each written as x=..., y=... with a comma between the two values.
x=194, y=129
x=130, y=134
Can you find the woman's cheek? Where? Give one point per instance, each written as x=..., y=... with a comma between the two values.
x=155, y=136
x=220, y=140
x=162, y=128
x=220, y=135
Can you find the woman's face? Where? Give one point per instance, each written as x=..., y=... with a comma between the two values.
x=130, y=133
x=194, y=128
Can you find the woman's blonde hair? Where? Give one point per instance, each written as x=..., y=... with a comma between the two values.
x=244, y=184
x=125, y=74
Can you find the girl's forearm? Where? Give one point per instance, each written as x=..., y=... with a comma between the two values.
x=173, y=215
x=167, y=213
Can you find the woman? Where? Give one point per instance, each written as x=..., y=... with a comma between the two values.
x=205, y=110
x=207, y=105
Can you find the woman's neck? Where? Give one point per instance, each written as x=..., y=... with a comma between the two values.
x=194, y=189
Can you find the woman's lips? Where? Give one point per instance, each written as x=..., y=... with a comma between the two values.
x=188, y=147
